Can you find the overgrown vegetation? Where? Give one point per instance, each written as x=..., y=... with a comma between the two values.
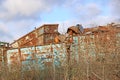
x=95, y=70
x=99, y=59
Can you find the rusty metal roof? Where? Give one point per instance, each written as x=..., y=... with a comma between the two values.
x=74, y=28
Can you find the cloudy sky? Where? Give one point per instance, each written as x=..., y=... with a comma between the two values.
x=18, y=17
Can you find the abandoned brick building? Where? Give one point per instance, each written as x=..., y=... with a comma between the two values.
x=43, y=35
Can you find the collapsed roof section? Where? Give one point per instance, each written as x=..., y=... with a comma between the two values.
x=103, y=29
x=45, y=34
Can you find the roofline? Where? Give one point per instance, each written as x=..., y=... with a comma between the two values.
x=33, y=31
x=4, y=42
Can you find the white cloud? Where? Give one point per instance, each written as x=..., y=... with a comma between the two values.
x=11, y=9
x=96, y=21
x=82, y=10
x=92, y=14
x=3, y=28
x=115, y=5
x=13, y=30
x=89, y=11
x=4, y=33
x=14, y=8
x=93, y=9
x=99, y=20
x=19, y=17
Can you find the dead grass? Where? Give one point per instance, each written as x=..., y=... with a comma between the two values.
x=105, y=65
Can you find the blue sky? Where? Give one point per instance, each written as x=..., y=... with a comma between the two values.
x=18, y=17
x=58, y=14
